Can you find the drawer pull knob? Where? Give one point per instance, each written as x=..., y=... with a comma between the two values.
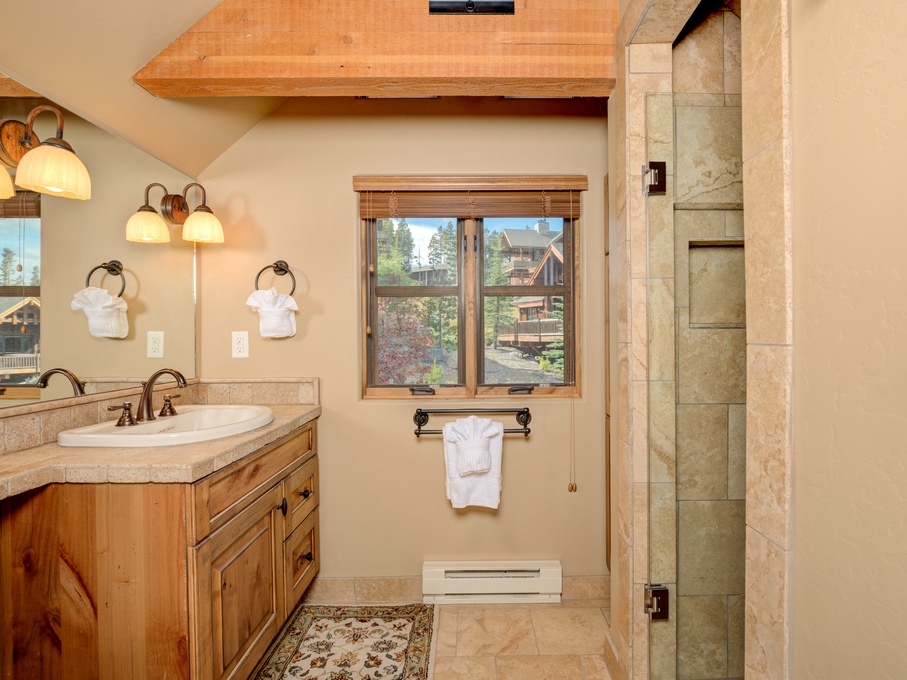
x=302, y=558
x=283, y=507
x=305, y=493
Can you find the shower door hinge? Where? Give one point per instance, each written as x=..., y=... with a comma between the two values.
x=654, y=178
x=656, y=601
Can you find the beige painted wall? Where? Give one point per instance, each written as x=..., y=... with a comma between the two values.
x=284, y=191
x=78, y=235
x=850, y=337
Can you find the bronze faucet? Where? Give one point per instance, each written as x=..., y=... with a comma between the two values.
x=144, y=409
x=78, y=387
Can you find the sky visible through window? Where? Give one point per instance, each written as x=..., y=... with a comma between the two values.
x=22, y=236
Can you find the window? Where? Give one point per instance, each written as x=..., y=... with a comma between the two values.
x=20, y=290
x=469, y=285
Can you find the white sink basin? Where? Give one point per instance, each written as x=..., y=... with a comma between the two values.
x=192, y=424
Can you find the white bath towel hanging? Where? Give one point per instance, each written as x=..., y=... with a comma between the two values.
x=477, y=484
x=106, y=313
x=276, y=313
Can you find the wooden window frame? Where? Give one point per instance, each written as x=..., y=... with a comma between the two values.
x=392, y=196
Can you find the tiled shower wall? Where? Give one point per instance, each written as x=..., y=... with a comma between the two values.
x=643, y=66
x=697, y=355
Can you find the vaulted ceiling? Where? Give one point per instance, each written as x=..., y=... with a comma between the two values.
x=209, y=71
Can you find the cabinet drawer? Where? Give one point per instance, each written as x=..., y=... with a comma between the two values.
x=301, y=492
x=220, y=496
x=302, y=558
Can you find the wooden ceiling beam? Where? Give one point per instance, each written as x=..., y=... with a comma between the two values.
x=13, y=88
x=379, y=48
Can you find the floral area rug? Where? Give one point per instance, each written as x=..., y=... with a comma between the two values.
x=353, y=643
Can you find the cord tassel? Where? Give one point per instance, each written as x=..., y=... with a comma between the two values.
x=571, y=487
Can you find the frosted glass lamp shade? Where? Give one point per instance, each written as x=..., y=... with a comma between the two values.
x=203, y=227
x=50, y=169
x=146, y=226
x=7, y=190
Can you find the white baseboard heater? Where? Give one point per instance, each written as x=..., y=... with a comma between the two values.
x=492, y=581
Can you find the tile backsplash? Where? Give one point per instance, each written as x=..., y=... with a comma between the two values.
x=24, y=427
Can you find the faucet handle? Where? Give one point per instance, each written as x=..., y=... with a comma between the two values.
x=167, y=409
x=126, y=418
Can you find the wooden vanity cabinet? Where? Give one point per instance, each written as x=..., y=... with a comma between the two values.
x=256, y=533
x=155, y=581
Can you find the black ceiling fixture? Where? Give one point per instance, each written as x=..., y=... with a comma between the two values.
x=470, y=6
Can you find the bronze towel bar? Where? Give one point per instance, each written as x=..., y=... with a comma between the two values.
x=523, y=417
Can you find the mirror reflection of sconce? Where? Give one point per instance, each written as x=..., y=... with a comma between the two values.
x=49, y=167
x=7, y=190
x=147, y=226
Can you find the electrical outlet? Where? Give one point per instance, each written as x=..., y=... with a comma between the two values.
x=240, y=344
x=155, y=344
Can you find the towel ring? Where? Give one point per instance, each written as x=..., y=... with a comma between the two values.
x=114, y=268
x=280, y=268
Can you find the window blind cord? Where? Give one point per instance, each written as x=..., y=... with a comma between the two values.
x=368, y=248
x=571, y=487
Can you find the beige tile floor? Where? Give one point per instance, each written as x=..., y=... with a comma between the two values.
x=520, y=642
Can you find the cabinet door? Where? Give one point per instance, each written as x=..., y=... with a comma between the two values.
x=239, y=576
x=302, y=558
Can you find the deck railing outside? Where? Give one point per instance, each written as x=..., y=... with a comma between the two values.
x=539, y=327
x=20, y=363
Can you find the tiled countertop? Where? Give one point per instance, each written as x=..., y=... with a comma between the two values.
x=32, y=468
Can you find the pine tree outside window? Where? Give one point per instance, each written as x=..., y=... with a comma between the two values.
x=469, y=285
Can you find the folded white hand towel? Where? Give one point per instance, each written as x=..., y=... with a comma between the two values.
x=472, y=436
x=476, y=488
x=106, y=313
x=275, y=312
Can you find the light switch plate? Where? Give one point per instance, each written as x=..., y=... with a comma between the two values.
x=240, y=344
x=155, y=344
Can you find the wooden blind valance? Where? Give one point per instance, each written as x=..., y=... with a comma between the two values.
x=487, y=196
x=383, y=204
x=23, y=204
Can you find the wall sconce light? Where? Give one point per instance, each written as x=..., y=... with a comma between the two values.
x=202, y=226
x=147, y=226
x=49, y=167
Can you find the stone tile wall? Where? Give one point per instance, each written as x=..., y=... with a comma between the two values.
x=758, y=456
x=710, y=327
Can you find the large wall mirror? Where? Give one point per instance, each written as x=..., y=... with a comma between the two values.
x=56, y=252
